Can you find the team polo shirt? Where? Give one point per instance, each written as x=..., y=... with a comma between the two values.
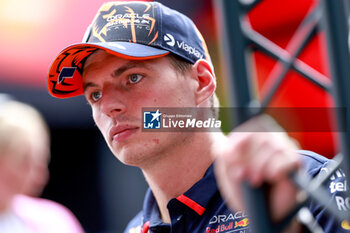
x=202, y=210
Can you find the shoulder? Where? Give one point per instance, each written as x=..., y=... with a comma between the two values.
x=313, y=163
x=134, y=226
x=335, y=186
x=46, y=213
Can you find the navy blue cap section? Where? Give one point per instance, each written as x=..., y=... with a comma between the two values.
x=148, y=23
x=179, y=35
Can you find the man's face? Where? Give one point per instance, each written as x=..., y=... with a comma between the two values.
x=117, y=90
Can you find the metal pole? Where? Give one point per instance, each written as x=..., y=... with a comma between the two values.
x=235, y=44
x=337, y=35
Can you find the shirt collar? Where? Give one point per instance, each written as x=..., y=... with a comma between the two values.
x=200, y=194
x=196, y=198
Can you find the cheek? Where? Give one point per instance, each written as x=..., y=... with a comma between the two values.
x=177, y=93
x=98, y=118
x=96, y=114
x=101, y=121
x=162, y=96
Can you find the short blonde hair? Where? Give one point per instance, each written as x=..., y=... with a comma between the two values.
x=19, y=123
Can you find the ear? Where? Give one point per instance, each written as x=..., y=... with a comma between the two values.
x=206, y=81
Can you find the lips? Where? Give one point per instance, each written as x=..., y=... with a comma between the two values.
x=121, y=132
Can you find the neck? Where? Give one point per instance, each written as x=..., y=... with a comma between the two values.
x=178, y=170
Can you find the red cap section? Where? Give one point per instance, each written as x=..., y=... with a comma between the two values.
x=67, y=83
x=65, y=74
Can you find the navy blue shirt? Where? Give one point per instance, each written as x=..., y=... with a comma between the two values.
x=201, y=209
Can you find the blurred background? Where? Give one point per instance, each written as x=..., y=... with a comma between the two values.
x=85, y=176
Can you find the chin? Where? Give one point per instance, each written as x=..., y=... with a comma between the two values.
x=131, y=156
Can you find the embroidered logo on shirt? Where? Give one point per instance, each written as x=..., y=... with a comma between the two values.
x=232, y=222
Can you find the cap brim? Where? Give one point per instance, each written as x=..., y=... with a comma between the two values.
x=65, y=73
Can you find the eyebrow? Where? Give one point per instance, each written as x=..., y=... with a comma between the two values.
x=87, y=85
x=120, y=70
x=129, y=65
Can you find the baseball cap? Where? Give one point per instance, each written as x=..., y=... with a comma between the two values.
x=131, y=30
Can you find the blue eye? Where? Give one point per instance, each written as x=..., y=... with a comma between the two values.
x=95, y=96
x=135, y=78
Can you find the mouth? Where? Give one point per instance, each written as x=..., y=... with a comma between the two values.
x=120, y=133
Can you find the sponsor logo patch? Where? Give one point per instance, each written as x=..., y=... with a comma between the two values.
x=228, y=223
x=66, y=72
x=338, y=186
x=169, y=39
x=343, y=203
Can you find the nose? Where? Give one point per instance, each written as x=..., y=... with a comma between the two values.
x=111, y=102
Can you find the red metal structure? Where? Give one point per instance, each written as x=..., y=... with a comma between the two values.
x=278, y=21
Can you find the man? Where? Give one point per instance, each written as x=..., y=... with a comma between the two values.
x=142, y=54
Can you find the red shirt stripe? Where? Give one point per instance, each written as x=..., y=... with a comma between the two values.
x=192, y=204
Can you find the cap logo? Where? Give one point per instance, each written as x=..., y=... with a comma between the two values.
x=169, y=39
x=134, y=23
x=66, y=72
x=189, y=49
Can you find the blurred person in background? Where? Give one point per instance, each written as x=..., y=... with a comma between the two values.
x=24, y=157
